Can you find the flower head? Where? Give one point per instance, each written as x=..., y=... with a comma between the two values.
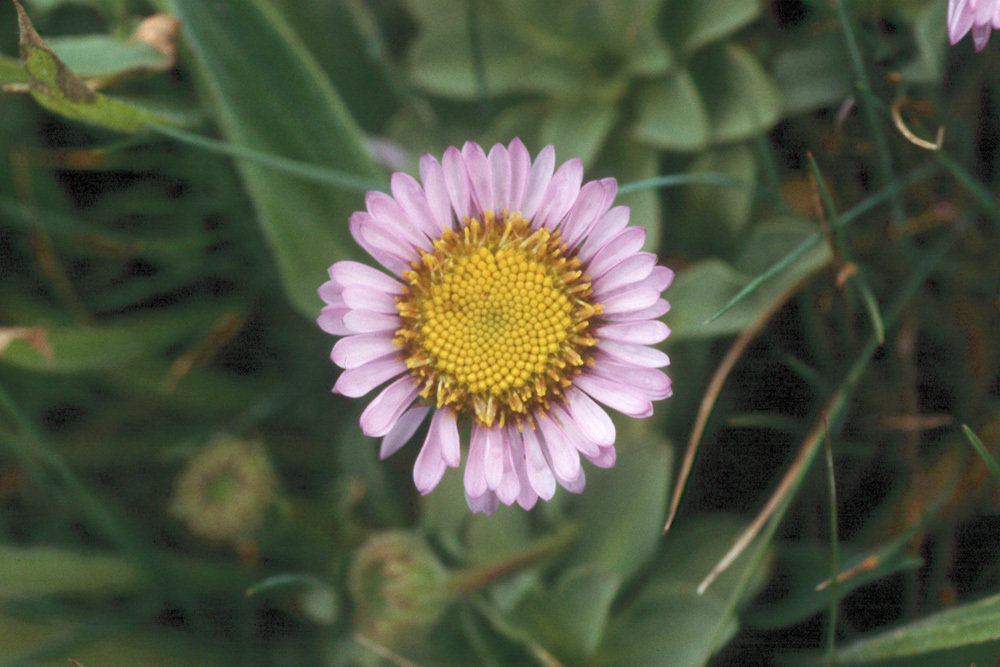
x=980, y=16
x=517, y=298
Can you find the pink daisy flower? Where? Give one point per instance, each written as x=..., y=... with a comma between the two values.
x=980, y=16
x=516, y=301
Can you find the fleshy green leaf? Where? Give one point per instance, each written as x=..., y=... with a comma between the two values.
x=668, y=623
x=578, y=130
x=741, y=98
x=723, y=213
x=963, y=625
x=57, y=88
x=671, y=114
x=569, y=619
x=811, y=77
x=441, y=57
x=287, y=108
x=704, y=287
x=622, y=512
x=27, y=571
x=693, y=25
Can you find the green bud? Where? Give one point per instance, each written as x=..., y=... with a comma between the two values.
x=226, y=489
x=398, y=587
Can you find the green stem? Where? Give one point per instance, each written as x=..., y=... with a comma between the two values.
x=470, y=580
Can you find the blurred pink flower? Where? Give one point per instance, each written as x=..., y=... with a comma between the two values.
x=980, y=16
x=517, y=299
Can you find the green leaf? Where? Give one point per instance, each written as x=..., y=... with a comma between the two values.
x=693, y=25
x=29, y=571
x=670, y=114
x=578, y=130
x=110, y=345
x=569, y=619
x=930, y=36
x=963, y=625
x=289, y=108
x=811, y=76
x=741, y=98
x=649, y=55
x=52, y=643
x=668, y=623
x=57, y=88
x=103, y=58
x=622, y=512
x=722, y=214
x=441, y=57
x=12, y=71
x=704, y=287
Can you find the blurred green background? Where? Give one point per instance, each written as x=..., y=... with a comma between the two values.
x=178, y=486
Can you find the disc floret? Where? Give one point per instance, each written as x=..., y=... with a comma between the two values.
x=496, y=319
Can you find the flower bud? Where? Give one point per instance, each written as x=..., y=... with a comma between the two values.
x=225, y=490
x=398, y=587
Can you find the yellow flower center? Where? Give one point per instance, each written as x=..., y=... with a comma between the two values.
x=496, y=319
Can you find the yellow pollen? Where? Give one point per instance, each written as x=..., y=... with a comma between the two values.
x=496, y=320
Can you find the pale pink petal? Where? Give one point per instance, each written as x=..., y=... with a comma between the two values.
x=368, y=321
x=606, y=459
x=574, y=485
x=480, y=178
x=429, y=466
x=390, y=259
x=527, y=496
x=520, y=170
x=355, y=382
x=536, y=467
x=331, y=320
x=391, y=219
x=629, y=300
x=411, y=198
x=593, y=201
x=638, y=355
x=960, y=19
x=330, y=293
x=616, y=396
x=354, y=351
x=638, y=333
x=404, y=429
x=654, y=383
x=623, y=244
x=456, y=179
x=560, y=195
x=538, y=181
x=494, y=452
x=980, y=36
x=500, y=168
x=436, y=191
x=573, y=435
x=369, y=298
x=658, y=309
x=444, y=429
x=606, y=227
x=629, y=271
x=355, y=273
x=486, y=503
x=475, y=467
x=590, y=418
x=385, y=409
x=509, y=487
x=392, y=250
x=564, y=457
